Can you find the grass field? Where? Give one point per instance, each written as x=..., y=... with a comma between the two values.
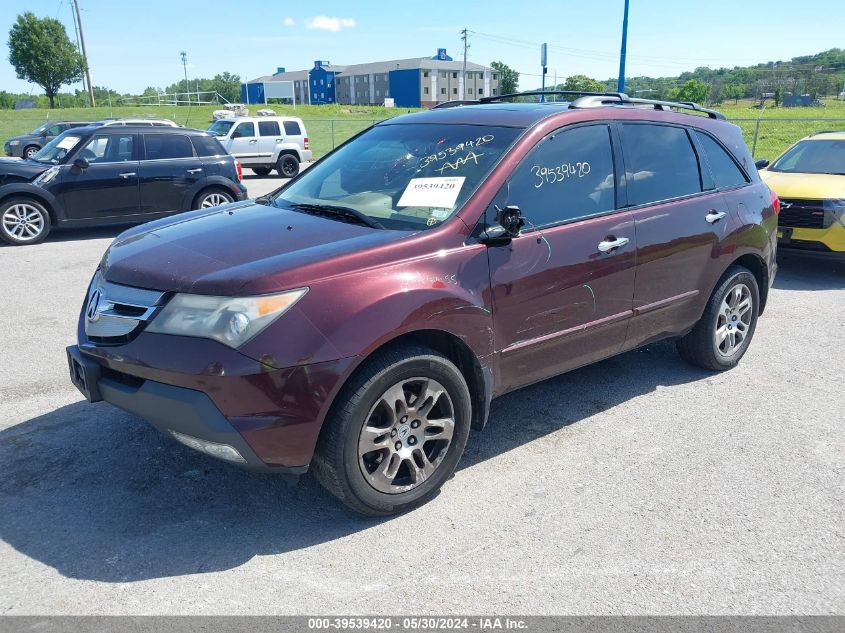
x=329, y=125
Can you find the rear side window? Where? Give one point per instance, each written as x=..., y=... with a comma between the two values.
x=660, y=163
x=161, y=146
x=292, y=128
x=725, y=171
x=268, y=128
x=207, y=146
x=568, y=175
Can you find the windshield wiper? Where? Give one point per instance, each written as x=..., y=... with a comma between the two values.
x=331, y=209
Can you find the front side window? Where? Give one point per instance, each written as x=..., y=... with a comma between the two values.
x=568, y=175
x=246, y=129
x=404, y=176
x=726, y=173
x=116, y=148
x=164, y=146
x=822, y=156
x=269, y=128
x=660, y=163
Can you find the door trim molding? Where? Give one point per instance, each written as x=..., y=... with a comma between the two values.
x=608, y=320
x=665, y=303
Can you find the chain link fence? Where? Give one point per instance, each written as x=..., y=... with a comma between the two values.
x=768, y=138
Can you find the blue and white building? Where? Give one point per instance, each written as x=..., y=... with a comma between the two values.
x=410, y=83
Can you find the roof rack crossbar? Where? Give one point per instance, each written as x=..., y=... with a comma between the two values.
x=594, y=101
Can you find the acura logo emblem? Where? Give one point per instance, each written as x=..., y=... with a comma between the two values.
x=92, y=312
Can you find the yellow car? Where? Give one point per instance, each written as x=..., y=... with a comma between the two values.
x=809, y=179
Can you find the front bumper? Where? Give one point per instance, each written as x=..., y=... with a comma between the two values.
x=10, y=150
x=271, y=418
x=831, y=239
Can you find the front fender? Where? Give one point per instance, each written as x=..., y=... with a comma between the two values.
x=42, y=195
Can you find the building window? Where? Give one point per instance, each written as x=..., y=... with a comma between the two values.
x=425, y=90
x=454, y=75
x=481, y=92
x=495, y=77
x=321, y=82
x=443, y=91
x=454, y=91
x=469, y=91
x=425, y=73
x=443, y=75
x=495, y=92
x=378, y=93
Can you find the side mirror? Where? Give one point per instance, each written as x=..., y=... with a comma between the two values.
x=236, y=135
x=81, y=164
x=510, y=221
x=43, y=133
x=760, y=164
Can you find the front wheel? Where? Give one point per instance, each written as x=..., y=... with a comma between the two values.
x=31, y=151
x=288, y=166
x=212, y=198
x=722, y=335
x=397, y=432
x=23, y=221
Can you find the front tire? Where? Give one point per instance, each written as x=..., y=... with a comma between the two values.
x=722, y=336
x=30, y=151
x=23, y=221
x=287, y=166
x=396, y=433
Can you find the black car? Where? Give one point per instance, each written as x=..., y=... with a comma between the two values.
x=98, y=175
x=27, y=145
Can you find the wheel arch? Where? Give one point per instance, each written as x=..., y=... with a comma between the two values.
x=289, y=151
x=25, y=190
x=759, y=269
x=212, y=182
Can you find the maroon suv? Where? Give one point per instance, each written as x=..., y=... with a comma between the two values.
x=361, y=319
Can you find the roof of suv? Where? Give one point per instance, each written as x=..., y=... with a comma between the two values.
x=236, y=119
x=122, y=129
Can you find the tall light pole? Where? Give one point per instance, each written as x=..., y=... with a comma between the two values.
x=185, y=68
x=84, y=53
x=464, y=74
x=620, y=85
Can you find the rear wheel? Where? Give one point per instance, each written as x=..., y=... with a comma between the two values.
x=722, y=336
x=261, y=171
x=23, y=221
x=30, y=151
x=287, y=166
x=212, y=198
x=397, y=433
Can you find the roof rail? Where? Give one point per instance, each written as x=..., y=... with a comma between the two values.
x=826, y=132
x=596, y=101
x=530, y=93
x=455, y=103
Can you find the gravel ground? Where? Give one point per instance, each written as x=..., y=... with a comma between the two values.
x=638, y=485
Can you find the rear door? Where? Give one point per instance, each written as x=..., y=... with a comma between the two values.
x=269, y=137
x=563, y=290
x=108, y=187
x=169, y=170
x=681, y=222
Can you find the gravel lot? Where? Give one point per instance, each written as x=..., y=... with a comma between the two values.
x=638, y=485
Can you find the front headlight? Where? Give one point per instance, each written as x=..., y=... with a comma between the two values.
x=14, y=143
x=231, y=320
x=46, y=176
x=836, y=209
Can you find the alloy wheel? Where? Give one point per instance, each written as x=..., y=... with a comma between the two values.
x=406, y=435
x=23, y=222
x=214, y=200
x=734, y=320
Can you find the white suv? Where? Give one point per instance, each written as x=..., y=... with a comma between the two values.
x=265, y=143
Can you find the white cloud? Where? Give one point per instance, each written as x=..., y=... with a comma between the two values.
x=289, y=21
x=325, y=23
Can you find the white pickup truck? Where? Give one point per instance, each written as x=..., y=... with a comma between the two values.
x=265, y=143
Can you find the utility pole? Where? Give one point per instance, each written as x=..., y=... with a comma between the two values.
x=185, y=68
x=620, y=84
x=543, y=62
x=84, y=53
x=466, y=46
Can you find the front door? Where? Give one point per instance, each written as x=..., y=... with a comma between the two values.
x=108, y=187
x=243, y=143
x=168, y=173
x=563, y=289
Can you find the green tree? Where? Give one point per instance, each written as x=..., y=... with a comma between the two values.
x=735, y=92
x=227, y=86
x=41, y=53
x=508, y=78
x=583, y=83
x=692, y=90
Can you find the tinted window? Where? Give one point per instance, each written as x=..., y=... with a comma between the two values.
x=268, y=128
x=207, y=146
x=244, y=129
x=56, y=130
x=725, y=171
x=114, y=148
x=292, y=128
x=160, y=146
x=659, y=163
x=568, y=175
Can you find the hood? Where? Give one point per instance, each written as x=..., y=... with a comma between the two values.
x=805, y=186
x=238, y=249
x=28, y=169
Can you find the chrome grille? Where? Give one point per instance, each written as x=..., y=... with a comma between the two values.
x=803, y=214
x=114, y=312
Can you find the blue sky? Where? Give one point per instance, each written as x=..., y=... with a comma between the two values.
x=134, y=44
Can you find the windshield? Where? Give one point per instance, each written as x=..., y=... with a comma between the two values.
x=405, y=177
x=40, y=129
x=220, y=128
x=55, y=151
x=813, y=157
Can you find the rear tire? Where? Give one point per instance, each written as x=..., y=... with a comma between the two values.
x=396, y=432
x=261, y=171
x=722, y=336
x=287, y=166
x=212, y=198
x=23, y=221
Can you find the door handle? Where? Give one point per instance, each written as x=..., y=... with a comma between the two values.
x=195, y=171
x=279, y=140
x=127, y=174
x=714, y=216
x=605, y=246
x=255, y=140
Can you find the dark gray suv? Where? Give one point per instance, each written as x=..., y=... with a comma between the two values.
x=27, y=145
